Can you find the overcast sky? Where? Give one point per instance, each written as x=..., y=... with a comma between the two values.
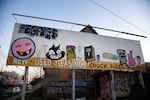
x=136, y=12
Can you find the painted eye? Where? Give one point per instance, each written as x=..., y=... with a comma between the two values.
x=17, y=46
x=58, y=51
x=28, y=44
x=51, y=52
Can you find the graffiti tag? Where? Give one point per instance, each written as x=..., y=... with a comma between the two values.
x=48, y=33
x=55, y=53
x=23, y=48
x=89, y=53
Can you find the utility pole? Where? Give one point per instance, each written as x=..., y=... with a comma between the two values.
x=73, y=84
x=24, y=83
x=113, y=92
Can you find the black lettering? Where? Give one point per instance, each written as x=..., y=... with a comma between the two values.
x=54, y=35
x=34, y=31
x=48, y=33
x=40, y=31
x=51, y=33
x=22, y=28
x=28, y=29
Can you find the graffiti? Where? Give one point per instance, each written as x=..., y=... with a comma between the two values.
x=23, y=48
x=70, y=51
x=58, y=89
x=62, y=89
x=104, y=83
x=110, y=56
x=123, y=85
x=89, y=53
x=97, y=58
x=48, y=33
x=131, y=60
x=55, y=53
x=122, y=56
x=105, y=87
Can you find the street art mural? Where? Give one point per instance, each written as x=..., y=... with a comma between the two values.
x=48, y=33
x=128, y=59
x=55, y=48
x=110, y=56
x=62, y=89
x=122, y=56
x=55, y=53
x=89, y=53
x=71, y=53
x=58, y=89
x=123, y=85
x=105, y=87
x=23, y=48
x=131, y=59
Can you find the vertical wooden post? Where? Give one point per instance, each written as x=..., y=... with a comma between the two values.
x=24, y=83
x=112, y=82
x=73, y=84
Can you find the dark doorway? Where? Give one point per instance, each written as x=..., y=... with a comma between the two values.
x=102, y=85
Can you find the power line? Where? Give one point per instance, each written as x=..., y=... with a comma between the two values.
x=106, y=29
x=137, y=27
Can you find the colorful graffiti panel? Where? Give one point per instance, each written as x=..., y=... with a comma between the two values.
x=70, y=53
x=89, y=53
x=23, y=48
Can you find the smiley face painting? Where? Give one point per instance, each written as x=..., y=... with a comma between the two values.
x=23, y=48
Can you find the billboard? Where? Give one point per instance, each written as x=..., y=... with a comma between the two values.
x=47, y=47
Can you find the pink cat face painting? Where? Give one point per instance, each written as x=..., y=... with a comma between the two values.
x=23, y=48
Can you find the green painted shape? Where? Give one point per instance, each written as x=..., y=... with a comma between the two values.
x=110, y=56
